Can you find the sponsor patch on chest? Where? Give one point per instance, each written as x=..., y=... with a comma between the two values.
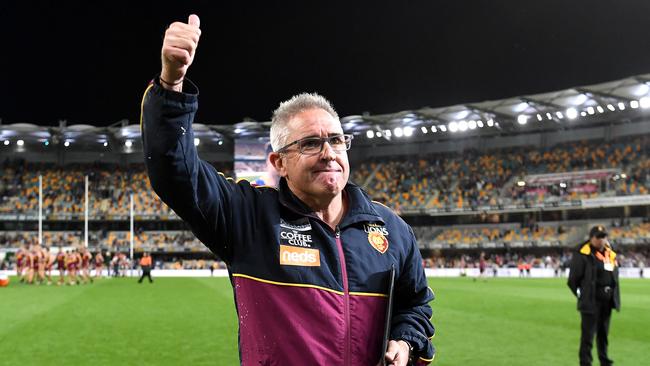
x=297, y=233
x=297, y=256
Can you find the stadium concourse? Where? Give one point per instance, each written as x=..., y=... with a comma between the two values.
x=520, y=180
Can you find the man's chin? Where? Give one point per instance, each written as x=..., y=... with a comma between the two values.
x=329, y=188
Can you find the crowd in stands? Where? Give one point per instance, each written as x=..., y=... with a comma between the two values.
x=513, y=259
x=475, y=179
x=63, y=189
x=438, y=181
x=185, y=241
x=158, y=241
x=641, y=230
x=490, y=234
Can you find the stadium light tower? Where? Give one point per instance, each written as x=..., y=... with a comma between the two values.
x=408, y=131
x=398, y=132
x=370, y=134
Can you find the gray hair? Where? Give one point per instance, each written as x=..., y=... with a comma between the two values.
x=289, y=108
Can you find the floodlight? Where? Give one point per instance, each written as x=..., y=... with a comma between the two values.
x=644, y=102
x=462, y=126
x=571, y=113
x=522, y=119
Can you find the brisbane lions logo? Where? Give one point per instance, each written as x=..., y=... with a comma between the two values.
x=377, y=237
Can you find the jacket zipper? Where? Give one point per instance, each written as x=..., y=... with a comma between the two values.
x=346, y=298
x=346, y=291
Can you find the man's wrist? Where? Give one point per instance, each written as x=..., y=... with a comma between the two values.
x=171, y=82
x=409, y=347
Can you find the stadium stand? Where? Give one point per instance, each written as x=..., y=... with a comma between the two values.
x=521, y=193
x=512, y=176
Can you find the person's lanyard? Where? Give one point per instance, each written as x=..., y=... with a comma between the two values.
x=606, y=259
x=603, y=258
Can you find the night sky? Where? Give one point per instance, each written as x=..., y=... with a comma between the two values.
x=89, y=63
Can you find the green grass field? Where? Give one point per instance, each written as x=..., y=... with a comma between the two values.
x=191, y=321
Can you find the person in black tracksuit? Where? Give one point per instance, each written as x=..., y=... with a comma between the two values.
x=593, y=278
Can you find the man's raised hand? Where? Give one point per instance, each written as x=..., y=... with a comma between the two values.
x=179, y=47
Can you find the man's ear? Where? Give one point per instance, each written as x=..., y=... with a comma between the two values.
x=278, y=163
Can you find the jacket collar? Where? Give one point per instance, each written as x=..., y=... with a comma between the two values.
x=360, y=207
x=586, y=250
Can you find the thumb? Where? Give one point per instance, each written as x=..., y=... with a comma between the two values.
x=194, y=20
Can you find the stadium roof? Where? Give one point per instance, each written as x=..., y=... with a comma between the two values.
x=610, y=102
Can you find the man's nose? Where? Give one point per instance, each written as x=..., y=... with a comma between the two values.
x=327, y=152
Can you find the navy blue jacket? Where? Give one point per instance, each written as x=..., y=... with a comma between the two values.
x=305, y=294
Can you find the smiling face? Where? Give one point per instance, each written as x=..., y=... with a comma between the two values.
x=313, y=177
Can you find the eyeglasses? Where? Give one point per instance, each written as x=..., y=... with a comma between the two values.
x=314, y=145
